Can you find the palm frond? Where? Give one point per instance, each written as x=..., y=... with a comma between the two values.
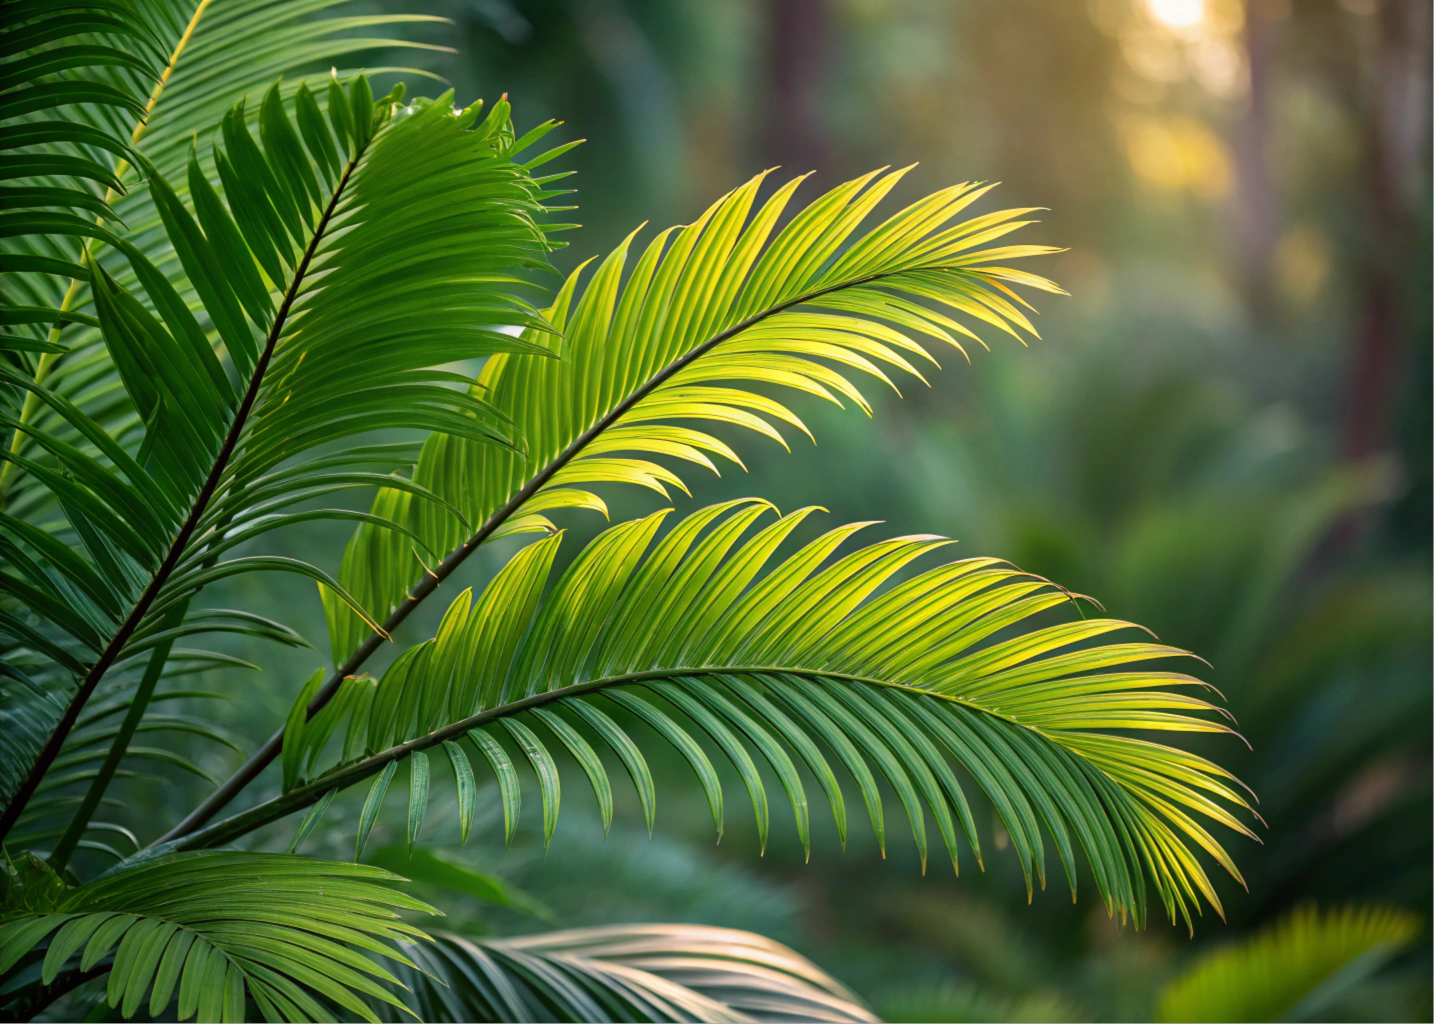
x=208, y=930
x=710, y=314
x=93, y=63
x=61, y=137
x=312, y=266
x=73, y=84
x=810, y=659
x=1292, y=969
x=624, y=972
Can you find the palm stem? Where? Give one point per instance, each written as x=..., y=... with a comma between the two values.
x=80, y=821
x=296, y=799
x=431, y=580
x=176, y=550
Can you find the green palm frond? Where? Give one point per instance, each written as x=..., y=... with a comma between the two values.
x=56, y=161
x=208, y=929
x=62, y=137
x=313, y=266
x=624, y=972
x=710, y=313
x=953, y=663
x=205, y=56
x=1293, y=969
x=94, y=64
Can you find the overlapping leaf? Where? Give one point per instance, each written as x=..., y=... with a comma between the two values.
x=801, y=660
x=624, y=972
x=201, y=932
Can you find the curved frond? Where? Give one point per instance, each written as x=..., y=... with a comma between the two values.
x=1292, y=969
x=710, y=316
x=624, y=972
x=814, y=659
x=207, y=930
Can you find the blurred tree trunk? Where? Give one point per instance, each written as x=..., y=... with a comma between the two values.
x=1258, y=208
x=792, y=128
x=1392, y=101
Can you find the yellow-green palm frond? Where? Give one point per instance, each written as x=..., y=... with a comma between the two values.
x=798, y=659
x=709, y=319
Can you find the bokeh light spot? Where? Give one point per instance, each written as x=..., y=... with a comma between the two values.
x=1302, y=263
x=1177, y=14
x=1176, y=154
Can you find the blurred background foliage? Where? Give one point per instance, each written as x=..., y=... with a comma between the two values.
x=1224, y=434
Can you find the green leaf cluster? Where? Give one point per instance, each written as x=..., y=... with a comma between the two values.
x=212, y=929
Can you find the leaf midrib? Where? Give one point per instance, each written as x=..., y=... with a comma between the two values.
x=296, y=799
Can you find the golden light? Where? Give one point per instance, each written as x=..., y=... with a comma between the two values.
x=1178, y=154
x=1177, y=14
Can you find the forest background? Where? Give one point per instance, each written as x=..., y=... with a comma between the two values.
x=1224, y=433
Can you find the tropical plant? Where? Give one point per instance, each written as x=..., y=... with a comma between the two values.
x=1293, y=969
x=244, y=329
